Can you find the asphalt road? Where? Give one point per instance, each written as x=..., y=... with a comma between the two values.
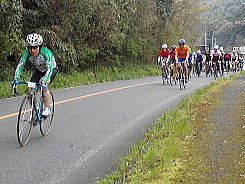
x=93, y=125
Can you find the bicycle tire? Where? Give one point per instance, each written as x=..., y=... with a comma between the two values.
x=46, y=123
x=215, y=71
x=181, y=79
x=171, y=78
x=164, y=74
x=25, y=120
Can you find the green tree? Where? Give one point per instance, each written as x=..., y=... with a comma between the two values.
x=10, y=35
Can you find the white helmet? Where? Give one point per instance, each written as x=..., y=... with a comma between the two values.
x=34, y=39
x=199, y=52
x=164, y=46
x=216, y=47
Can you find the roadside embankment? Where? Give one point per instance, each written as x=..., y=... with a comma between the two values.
x=217, y=153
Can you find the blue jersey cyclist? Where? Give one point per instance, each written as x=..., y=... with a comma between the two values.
x=45, y=67
x=199, y=59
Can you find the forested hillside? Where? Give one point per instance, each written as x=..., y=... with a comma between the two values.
x=90, y=33
x=220, y=19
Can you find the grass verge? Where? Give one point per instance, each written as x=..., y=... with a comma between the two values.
x=103, y=74
x=158, y=158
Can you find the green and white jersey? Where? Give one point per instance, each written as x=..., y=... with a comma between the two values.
x=44, y=62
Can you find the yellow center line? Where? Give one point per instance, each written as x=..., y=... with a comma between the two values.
x=85, y=96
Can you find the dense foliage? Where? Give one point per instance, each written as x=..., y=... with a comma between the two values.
x=91, y=33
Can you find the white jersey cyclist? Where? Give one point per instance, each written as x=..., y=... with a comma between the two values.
x=215, y=54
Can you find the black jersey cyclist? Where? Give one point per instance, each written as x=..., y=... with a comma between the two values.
x=216, y=57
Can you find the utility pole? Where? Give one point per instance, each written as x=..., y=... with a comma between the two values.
x=205, y=38
x=205, y=34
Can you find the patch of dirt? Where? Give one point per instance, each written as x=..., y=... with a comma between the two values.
x=217, y=152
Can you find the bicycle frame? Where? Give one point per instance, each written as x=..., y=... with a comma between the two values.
x=37, y=112
x=34, y=88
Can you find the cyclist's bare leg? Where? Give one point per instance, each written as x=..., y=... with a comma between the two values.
x=186, y=70
x=178, y=68
x=46, y=96
x=168, y=70
x=175, y=71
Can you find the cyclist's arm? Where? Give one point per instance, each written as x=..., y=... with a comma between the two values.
x=187, y=56
x=168, y=58
x=50, y=61
x=176, y=56
x=24, y=57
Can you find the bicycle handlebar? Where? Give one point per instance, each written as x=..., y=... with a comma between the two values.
x=14, y=88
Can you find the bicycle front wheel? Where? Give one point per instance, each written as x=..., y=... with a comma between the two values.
x=181, y=79
x=25, y=118
x=47, y=121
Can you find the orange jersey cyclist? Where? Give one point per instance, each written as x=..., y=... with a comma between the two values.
x=182, y=53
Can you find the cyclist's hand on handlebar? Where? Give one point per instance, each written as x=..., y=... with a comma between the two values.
x=14, y=83
x=44, y=86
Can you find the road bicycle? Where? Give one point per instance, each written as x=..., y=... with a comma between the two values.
x=208, y=70
x=172, y=78
x=198, y=71
x=234, y=67
x=189, y=67
x=215, y=71
x=222, y=68
x=30, y=113
x=181, y=77
x=164, y=70
x=227, y=66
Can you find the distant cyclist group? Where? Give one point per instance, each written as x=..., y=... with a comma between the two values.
x=214, y=62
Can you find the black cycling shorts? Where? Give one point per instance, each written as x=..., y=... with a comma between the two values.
x=37, y=75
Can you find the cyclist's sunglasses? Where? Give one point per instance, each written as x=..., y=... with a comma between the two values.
x=33, y=47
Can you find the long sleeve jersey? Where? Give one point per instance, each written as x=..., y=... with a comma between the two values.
x=44, y=62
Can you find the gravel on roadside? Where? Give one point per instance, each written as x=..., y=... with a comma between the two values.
x=218, y=150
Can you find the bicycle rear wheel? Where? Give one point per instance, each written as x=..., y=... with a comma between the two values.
x=25, y=120
x=47, y=121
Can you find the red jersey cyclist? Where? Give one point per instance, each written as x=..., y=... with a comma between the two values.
x=163, y=56
x=182, y=53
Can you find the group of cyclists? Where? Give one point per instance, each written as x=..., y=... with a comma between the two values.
x=178, y=56
x=213, y=62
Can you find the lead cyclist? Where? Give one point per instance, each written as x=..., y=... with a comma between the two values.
x=45, y=68
x=182, y=53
